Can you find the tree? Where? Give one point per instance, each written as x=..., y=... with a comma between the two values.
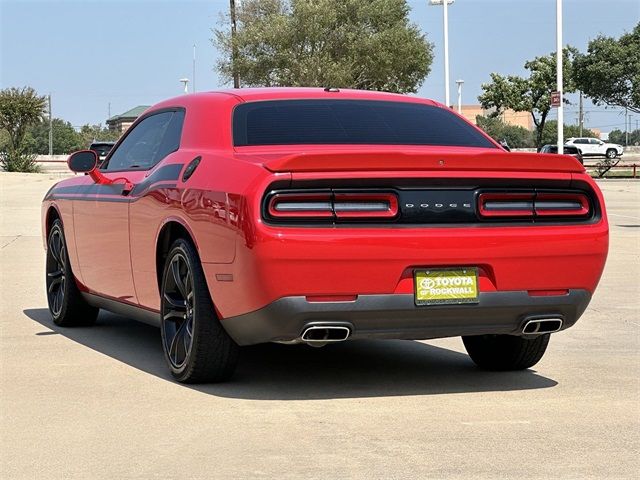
x=515, y=136
x=619, y=137
x=323, y=43
x=19, y=108
x=531, y=94
x=609, y=73
x=550, y=132
x=91, y=133
x=65, y=138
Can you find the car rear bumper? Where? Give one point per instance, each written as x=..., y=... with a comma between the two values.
x=396, y=316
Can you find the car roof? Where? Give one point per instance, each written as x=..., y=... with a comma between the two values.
x=290, y=93
x=282, y=93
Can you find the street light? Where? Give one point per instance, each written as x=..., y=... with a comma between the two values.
x=445, y=21
x=185, y=82
x=459, y=83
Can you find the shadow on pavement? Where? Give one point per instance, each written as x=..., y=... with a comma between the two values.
x=364, y=368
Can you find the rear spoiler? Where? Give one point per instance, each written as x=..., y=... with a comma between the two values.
x=332, y=161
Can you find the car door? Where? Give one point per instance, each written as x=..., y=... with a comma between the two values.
x=101, y=217
x=583, y=145
x=595, y=147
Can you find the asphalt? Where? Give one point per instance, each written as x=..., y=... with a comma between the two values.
x=98, y=403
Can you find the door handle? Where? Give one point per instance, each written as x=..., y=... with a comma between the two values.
x=127, y=187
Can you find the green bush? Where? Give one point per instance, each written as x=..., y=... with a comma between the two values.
x=18, y=161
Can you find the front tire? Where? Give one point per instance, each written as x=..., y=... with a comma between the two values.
x=66, y=305
x=611, y=154
x=196, y=346
x=505, y=352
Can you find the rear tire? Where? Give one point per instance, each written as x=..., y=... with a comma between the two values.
x=505, y=352
x=66, y=305
x=611, y=154
x=196, y=346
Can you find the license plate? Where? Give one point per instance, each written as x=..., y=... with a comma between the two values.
x=440, y=286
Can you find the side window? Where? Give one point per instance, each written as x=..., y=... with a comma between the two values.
x=581, y=141
x=149, y=142
x=593, y=141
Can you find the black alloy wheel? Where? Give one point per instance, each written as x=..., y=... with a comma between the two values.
x=56, y=272
x=196, y=346
x=66, y=304
x=177, y=311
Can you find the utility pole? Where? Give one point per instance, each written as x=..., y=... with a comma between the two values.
x=446, y=52
x=559, y=58
x=445, y=28
x=50, y=128
x=626, y=127
x=234, y=47
x=581, y=115
x=193, y=77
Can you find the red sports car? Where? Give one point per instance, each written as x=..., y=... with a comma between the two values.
x=315, y=216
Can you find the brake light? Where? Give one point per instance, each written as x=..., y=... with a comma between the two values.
x=365, y=205
x=506, y=204
x=529, y=205
x=561, y=204
x=301, y=205
x=329, y=205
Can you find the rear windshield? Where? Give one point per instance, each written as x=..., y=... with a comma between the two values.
x=344, y=122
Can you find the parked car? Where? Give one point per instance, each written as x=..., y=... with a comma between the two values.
x=593, y=147
x=317, y=216
x=102, y=149
x=567, y=150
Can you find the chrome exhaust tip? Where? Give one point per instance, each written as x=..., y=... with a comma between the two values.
x=320, y=335
x=540, y=326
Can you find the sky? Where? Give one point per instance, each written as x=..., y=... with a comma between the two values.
x=101, y=56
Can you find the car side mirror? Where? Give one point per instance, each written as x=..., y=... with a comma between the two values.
x=84, y=161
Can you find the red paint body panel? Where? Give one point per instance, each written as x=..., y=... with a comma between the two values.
x=113, y=244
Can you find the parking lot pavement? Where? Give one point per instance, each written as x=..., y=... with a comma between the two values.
x=94, y=403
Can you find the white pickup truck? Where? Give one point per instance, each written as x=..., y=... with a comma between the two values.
x=593, y=147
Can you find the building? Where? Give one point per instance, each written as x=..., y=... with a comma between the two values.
x=518, y=119
x=123, y=121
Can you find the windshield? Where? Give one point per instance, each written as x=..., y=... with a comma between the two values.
x=101, y=149
x=351, y=122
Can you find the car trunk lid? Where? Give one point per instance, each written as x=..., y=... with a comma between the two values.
x=411, y=159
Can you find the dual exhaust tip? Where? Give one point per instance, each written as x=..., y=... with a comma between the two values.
x=321, y=335
x=540, y=326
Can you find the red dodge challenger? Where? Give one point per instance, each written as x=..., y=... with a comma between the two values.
x=316, y=216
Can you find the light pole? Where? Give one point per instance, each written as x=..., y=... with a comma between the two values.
x=445, y=21
x=559, y=75
x=185, y=82
x=459, y=83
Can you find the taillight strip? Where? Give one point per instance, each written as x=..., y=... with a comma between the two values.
x=339, y=206
x=506, y=204
x=365, y=205
x=296, y=205
x=561, y=204
x=529, y=205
